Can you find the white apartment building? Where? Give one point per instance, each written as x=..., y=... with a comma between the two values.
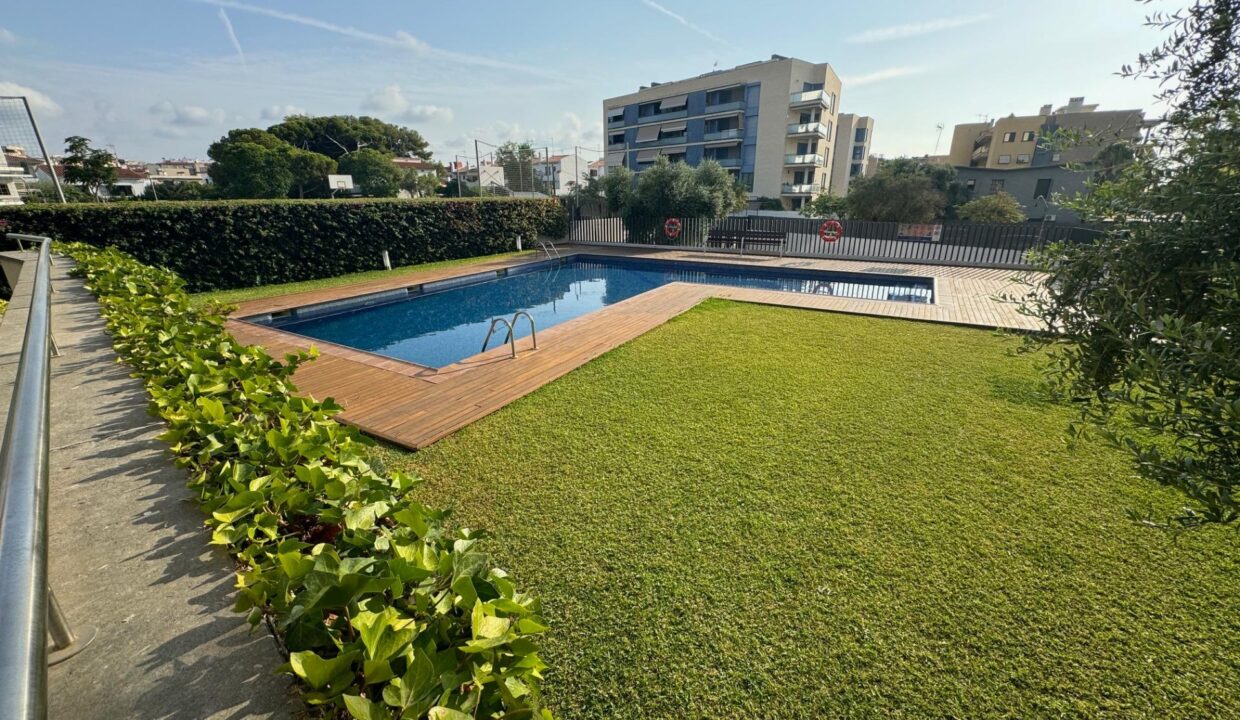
x=558, y=171
x=770, y=123
x=852, y=151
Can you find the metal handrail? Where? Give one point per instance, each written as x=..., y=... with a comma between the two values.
x=23, y=514
x=548, y=247
x=29, y=609
x=491, y=331
x=512, y=330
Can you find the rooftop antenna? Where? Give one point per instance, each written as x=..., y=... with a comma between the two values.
x=938, y=138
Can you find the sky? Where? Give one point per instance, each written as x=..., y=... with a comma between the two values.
x=152, y=79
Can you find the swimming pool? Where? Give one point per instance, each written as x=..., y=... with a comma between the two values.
x=440, y=323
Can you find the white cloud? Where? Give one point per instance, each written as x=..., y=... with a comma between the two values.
x=681, y=19
x=279, y=112
x=39, y=103
x=7, y=37
x=187, y=115
x=390, y=101
x=232, y=34
x=907, y=30
x=399, y=39
x=856, y=81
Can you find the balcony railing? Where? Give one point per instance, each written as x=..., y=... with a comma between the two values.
x=673, y=115
x=811, y=159
x=807, y=129
x=799, y=188
x=615, y=122
x=726, y=107
x=727, y=162
x=729, y=134
x=678, y=140
x=810, y=96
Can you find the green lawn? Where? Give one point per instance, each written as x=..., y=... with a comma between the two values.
x=762, y=512
x=264, y=291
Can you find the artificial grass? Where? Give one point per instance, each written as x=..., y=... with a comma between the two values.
x=763, y=512
x=229, y=297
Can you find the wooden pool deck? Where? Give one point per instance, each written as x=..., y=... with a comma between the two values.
x=414, y=406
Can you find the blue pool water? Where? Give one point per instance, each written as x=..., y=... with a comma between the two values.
x=441, y=326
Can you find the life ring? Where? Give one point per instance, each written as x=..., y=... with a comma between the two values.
x=671, y=228
x=830, y=231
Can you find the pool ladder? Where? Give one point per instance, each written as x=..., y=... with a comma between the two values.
x=549, y=247
x=512, y=336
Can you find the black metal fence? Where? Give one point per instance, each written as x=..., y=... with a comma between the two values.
x=947, y=243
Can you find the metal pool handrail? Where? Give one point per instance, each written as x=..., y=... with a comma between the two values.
x=26, y=604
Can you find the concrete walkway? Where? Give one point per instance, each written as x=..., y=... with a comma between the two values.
x=127, y=547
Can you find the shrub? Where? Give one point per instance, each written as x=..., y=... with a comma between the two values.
x=382, y=612
x=244, y=243
x=998, y=208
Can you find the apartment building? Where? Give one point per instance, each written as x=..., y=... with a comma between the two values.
x=852, y=151
x=185, y=170
x=769, y=123
x=1016, y=141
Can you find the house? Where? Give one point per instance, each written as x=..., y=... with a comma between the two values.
x=174, y=171
x=561, y=173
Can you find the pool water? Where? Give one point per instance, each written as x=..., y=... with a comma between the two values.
x=444, y=326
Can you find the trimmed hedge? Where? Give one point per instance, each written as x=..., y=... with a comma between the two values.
x=383, y=612
x=245, y=243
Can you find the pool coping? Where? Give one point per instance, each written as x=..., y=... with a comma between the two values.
x=378, y=298
x=413, y=405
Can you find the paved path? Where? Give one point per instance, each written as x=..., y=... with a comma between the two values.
x=127, y=546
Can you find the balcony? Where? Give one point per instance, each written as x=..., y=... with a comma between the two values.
x=734, y=106
x=613, y=123
x=813, y=128
x=676, y=140
x=727, y=162
x=729, y=134
x=815, y=97
x=799, y=189
x=811, y=159
x=660, y=117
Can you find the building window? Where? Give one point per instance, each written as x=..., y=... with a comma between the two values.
x=649, y=109
x=1027, y=136
x=858, y=152
x=4, y=189
x=970, y=185
x=677, y=134
x=615, y=139
x=678, y=157
x=1009, y=137
x=1043, y=189
x=854, y=170
x=996, y=186
x=1055, y=157
x=830, y=128
x=746, y=179
x=1022, y=158
x=615, y=115
x=859, y=136
x=1005, y=159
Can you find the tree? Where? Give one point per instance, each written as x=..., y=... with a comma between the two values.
x=338, y=135
x=451, y=189
x=826, y=206
x=309, y=171
x=45, y=191
x=170, y=190
x=251, y=163
x=671, y=189
x=419, y=184
x=942, y=178
x=1111, y=161
x=997, y=208
x=518, y=163
x=617, y=187
x=372, y=171
x=906, y=198
x=1145, y=318
x=92, y=168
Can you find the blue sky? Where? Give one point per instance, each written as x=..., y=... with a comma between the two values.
x=164, y=78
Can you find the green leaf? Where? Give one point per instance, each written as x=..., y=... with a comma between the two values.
x=322, y=673
x=362, y=709
x=442, y=713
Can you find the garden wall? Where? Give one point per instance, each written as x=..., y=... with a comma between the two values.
x=244, y=243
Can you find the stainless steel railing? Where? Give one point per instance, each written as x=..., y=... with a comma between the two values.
x=27, y=607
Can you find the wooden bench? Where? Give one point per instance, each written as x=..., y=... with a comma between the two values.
x=738, y=238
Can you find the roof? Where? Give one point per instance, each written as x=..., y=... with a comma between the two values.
x=415, y=163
